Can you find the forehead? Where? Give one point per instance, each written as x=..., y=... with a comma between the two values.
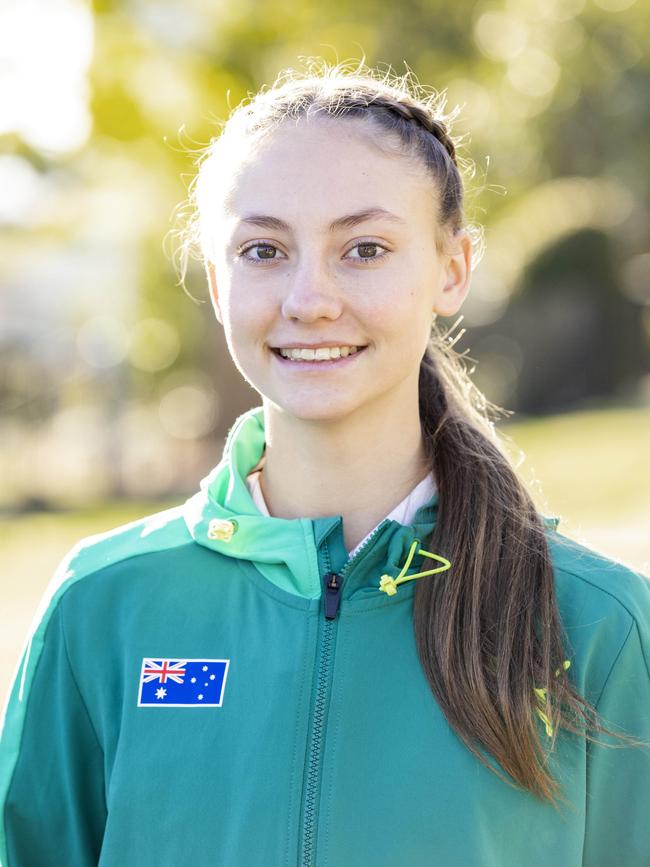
x=322, y=167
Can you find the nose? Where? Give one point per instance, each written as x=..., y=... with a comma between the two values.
x=312, y=293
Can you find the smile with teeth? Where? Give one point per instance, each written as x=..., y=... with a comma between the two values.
x=322, y=353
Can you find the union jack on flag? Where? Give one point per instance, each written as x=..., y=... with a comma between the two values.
x=166, y=670
x=182, y=682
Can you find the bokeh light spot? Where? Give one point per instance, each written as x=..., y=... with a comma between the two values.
x=103, y=341
x=154, y=345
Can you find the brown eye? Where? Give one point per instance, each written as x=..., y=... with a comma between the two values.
x=368, y=251
x=266, y=253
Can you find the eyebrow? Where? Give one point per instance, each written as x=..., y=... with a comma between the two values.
x=346, y=222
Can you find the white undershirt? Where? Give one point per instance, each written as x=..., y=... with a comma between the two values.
x=404, y=512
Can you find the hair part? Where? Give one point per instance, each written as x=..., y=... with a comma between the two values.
x=488, y=631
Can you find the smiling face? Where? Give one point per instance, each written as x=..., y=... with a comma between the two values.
x=324, y=240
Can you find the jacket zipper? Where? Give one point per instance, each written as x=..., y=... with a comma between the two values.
x=318, y=727
x=378, y=529
x=333, y=582
x=333, y=586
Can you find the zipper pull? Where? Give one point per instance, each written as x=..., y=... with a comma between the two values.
x=332, y=594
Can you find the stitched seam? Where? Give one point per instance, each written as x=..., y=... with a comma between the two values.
x=259, y=585
x=616, y=658
x=597, y=587
x=74, y=679
x=375, y=607
x=10, y=781
x=57, y=611
x=645, y=658
x=75, y=578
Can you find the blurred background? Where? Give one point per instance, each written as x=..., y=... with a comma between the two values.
x=116, y=387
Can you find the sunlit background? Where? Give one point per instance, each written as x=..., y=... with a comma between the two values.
x=116, y=386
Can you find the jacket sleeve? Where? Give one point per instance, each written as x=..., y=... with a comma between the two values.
x=51, y=763
x=618, y=779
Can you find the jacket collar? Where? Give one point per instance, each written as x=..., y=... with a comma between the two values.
x=223, y=517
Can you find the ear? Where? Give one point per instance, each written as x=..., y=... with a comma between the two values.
x=212, y=285
x=456, y=276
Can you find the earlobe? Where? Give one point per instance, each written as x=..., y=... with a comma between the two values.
x=212, y=285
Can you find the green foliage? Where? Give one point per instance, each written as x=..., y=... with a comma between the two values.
x=555, y=105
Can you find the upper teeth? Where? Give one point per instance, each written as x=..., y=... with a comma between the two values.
x=323, y=353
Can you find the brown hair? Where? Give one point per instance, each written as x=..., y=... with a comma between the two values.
x=489, y=635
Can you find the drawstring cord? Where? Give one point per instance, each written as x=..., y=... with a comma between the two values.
x=389, y=585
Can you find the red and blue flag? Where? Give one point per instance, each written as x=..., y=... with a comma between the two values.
x=182, y=682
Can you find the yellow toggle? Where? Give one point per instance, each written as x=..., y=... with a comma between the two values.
x=388, y=584
x=221, y=529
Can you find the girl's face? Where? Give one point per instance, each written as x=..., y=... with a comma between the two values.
x=325, y=241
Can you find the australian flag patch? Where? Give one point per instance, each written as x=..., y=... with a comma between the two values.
x=182, y=682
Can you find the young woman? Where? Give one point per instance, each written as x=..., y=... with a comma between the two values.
x=359, y=643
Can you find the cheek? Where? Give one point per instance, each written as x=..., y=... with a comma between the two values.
x=249, y=317
x=407, y=326
x=397, y=314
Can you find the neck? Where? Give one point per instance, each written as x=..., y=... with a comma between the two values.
x=360, y=467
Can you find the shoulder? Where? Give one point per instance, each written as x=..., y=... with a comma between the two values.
x=608, y=584
x=90, y=561
x=95, y=555
x=604, y=606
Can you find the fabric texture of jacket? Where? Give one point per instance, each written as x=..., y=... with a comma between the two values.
x=316, y=739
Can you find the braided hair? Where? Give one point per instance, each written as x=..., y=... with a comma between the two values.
x=423, y=118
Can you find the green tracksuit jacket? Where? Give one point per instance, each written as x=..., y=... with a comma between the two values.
x=316, y=740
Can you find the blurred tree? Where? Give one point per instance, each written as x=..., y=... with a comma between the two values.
x=581, y=339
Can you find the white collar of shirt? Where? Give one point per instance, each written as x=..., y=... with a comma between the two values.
x=404, y=512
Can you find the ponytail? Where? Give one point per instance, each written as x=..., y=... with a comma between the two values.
x=488, y=630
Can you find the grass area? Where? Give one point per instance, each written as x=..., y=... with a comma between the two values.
x=591, y=469
x=592, y=465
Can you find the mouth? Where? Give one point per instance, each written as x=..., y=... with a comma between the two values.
x=313, y=363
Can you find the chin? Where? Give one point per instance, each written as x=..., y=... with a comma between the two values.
x=313, y=407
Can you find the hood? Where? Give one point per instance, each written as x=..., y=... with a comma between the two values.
x=223, y=517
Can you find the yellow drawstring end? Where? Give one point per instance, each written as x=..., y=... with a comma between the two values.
x=547, y=723
x=540, y=692
x=389, y=585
